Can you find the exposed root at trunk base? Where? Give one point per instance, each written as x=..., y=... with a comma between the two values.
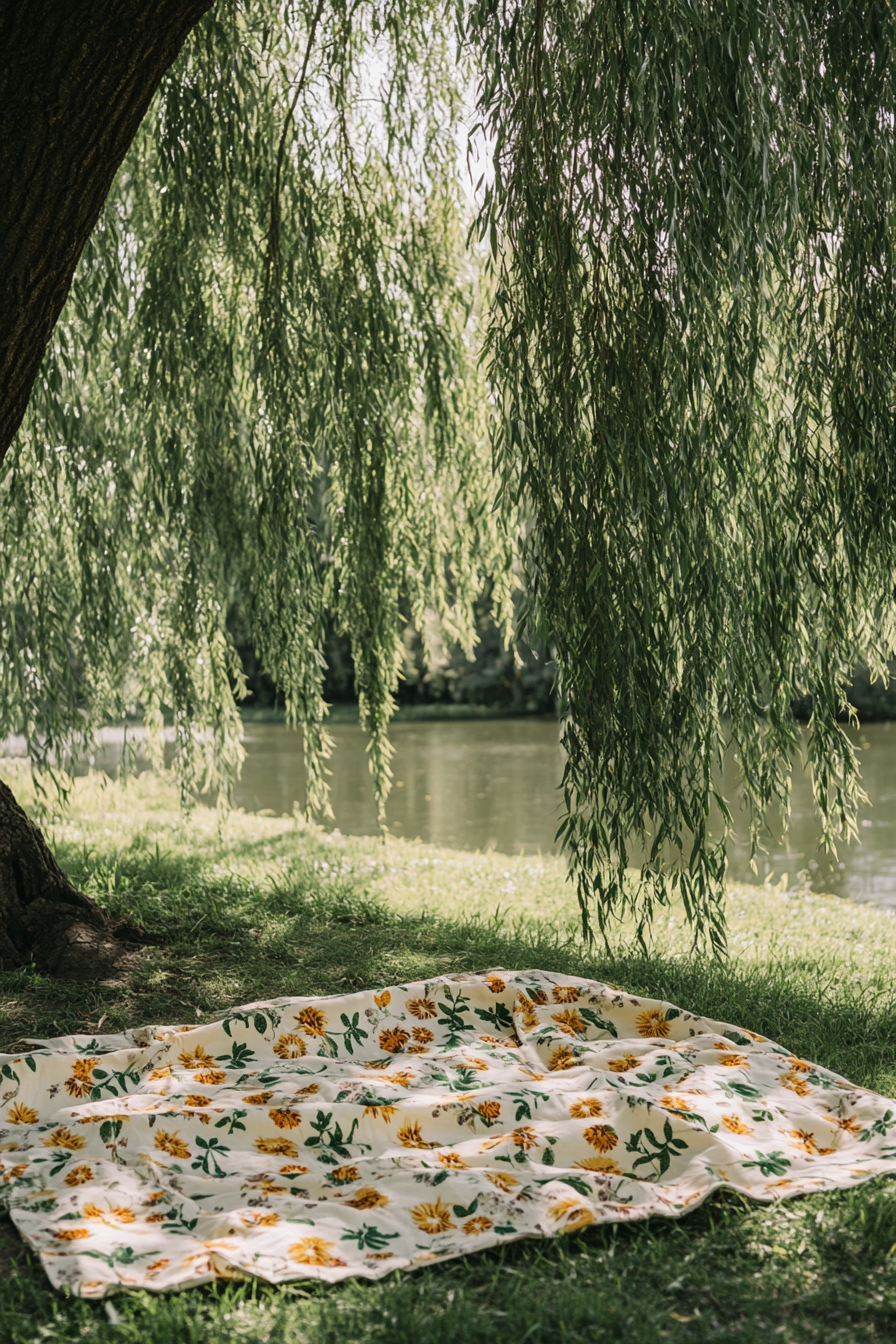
x=43, y=918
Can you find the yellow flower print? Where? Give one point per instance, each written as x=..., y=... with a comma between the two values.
x=269, y=1187
x=261, y=1219
x=418, y=1050
x=380, y=1255
x=524, y=1137
x=283, y=1118
x=196, y=1099
x=527, y=1009
x=623, y=1065
x=258, y=1098
x=367, y=1198
x=794, y=1083
x=156, y=1266
x=562, y=1058
x=382, y=1000
x=489, y=1110
x=801, y=1065
x=81, y=1083
x=585, y=1107
x=210, y=1078
x=453, y=1161
x=565, y=994
x=572, y=1213
x=539, y=997
x=109, y=1216
x=803, y=1139
x=474, y=1227
x=393, y=1039
x=495, y=984
x=569, y=1022
x=422, y=1034
x=652, y=1023
x=79, y=1176
x=171, y=1144
x=381, y=1112
x=400, y=1079
x=70, y=1233
x=312, y=1021
x=503, y=1180
x=63, y=1138
x=422, y=1008
x=294, y=1168
x=602, y=1137
x=672, y=1103
x=474, y=1062
x=278, y=1147
x=504, y=1042
x=606, y=1165
x=735, y=1125
x=409, y=1136
x=314, y=1251
x=849, y=1125
x=308, y=1091
x=433, y=1218
x=290, y=1046
x=735, y=1062
x=344, y=1175
x=22, y=1115
x=196, y=1059
x=156, y=1218
x=160, y=1073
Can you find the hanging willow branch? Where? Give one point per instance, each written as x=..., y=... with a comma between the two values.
x=266, y=380
x=693, y=347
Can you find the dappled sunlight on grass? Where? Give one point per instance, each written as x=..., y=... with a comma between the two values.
x=277, y=907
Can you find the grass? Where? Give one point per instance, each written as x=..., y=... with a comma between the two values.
x=274, y=907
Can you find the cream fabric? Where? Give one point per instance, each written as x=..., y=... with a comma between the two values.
x=353, y=1135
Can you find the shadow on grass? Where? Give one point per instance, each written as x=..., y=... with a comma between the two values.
x=819, y=1267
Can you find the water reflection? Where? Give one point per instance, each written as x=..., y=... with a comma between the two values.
x=493, y=784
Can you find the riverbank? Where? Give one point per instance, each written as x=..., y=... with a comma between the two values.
x=275, y=907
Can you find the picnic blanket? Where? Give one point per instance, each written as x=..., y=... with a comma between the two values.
x=353, y=1135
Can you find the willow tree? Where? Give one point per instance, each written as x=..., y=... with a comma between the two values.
x=266, y=369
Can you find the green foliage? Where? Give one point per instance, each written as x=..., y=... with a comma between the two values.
x=693, y=347
x=264, y=381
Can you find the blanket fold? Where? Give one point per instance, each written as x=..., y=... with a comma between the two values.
x=361, y=1133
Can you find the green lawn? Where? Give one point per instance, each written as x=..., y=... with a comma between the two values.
x=273, y=907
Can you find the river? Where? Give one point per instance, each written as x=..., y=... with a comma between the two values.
x=494, y=784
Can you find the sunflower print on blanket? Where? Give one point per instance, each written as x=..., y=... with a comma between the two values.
x=354, y=1135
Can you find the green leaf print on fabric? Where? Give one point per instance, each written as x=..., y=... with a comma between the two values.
x=370, y=1238
x=770, y=1164
x=335, y=1165
x=663, y=1149
x=211, y=1150
x=240, y=1057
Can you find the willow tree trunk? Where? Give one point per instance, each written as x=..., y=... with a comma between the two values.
x=43, y=918
x=76, y=79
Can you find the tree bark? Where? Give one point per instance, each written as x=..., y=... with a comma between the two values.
x=43, y=918
x=76, y=79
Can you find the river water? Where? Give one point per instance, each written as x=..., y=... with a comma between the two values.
x=494, y=784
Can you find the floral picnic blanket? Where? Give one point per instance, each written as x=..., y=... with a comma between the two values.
x=353, y=1135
